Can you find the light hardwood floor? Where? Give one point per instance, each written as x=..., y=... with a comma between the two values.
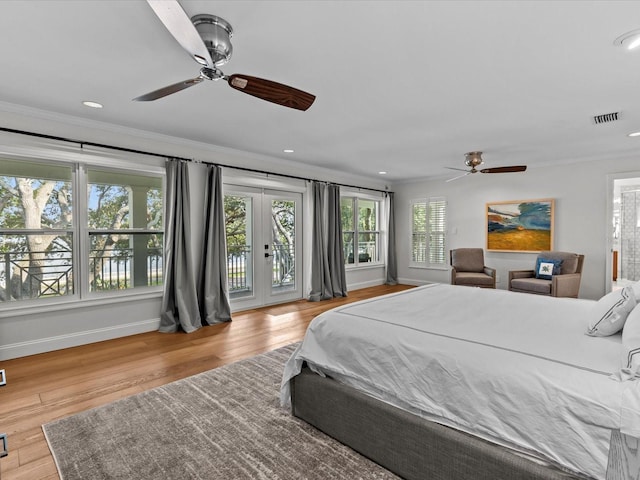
x=42, y=388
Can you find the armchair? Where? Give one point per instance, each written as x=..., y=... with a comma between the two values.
x=468, y=268
x=563, y=283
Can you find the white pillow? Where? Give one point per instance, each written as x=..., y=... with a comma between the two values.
x=631, y=345
x=609, y=313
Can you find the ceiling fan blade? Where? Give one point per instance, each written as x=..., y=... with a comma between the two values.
x=271, y=91
x=163, y=92
x=515, y=168
x=459, y=176
x=175, y=19
x=459, y=169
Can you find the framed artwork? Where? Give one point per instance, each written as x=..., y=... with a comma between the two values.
x=520, y=225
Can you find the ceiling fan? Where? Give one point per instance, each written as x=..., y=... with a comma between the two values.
x=207, y=39
x=474, y=159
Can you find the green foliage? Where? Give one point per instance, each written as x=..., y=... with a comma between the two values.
x=235, y=220
x=43, y=204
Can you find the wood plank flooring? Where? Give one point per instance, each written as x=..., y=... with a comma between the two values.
x=42, y=388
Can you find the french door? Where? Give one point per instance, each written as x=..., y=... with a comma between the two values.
x=264, y=239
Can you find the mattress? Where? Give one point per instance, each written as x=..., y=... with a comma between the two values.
x=515, y=369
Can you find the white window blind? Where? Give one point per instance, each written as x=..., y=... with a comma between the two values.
x=428, y=235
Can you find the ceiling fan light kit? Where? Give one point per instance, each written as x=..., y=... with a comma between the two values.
x=207, y=38
x=473, y=159
x=216, y=34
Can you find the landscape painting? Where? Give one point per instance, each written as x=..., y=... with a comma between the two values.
x=520, y=226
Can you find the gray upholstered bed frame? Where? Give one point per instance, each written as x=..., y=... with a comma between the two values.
x=405, y=444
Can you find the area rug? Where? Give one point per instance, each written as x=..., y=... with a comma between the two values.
x=222, y=424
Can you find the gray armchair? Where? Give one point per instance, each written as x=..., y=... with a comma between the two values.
x=565, y=283
x=468, y=268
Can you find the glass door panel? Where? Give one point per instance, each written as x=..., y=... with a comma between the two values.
x=283, y=234
x=238, y=209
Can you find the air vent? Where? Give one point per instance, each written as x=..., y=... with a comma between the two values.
x=606, y=118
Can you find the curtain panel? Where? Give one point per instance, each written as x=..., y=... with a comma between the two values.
x=213, y=289
x=194, y=296
x=328, y=276
x=179, y=301
x=391, y=260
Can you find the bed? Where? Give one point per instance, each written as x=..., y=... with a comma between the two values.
x=450, y=382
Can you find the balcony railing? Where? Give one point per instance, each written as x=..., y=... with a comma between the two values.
x=238, y=260
x=239, y=267
x=367, y=252
x=113, y=271
x=50, y=274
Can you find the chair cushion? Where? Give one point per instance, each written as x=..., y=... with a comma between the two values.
x=468, y=259
x=474, y=279
x=531, y=285
x=609, y=314
x=546, y=267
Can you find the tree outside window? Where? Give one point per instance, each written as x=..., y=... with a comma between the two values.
x=124, y=220
x=36, y=230
x=360, y=230
x=41, y=243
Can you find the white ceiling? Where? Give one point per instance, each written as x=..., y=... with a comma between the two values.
x=402, y=86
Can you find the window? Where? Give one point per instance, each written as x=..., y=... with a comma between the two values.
x=36, y=230
x=54, y=245
x=360, y=230
x=124, y=226
x=428, y=232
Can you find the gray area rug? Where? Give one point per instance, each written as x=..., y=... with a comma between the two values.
x=222, y=424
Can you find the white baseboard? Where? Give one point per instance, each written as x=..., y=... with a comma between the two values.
x=359, y=285
x=41, y=345
x=412, y=281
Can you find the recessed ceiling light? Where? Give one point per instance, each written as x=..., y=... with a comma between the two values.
x=288, y=150
x=88, y=103
x=634, y=134
x=382, y=173
x=629, y=40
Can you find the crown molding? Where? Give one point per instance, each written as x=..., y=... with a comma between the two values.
x=59, y=123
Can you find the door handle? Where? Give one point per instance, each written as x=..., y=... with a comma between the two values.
x=267, y=255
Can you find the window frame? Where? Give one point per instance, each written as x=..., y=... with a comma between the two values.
x=80, y=232
x=87, y=231
x=428, y=231
x=380, y=261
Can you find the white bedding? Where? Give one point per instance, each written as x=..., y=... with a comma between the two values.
x=515, y=369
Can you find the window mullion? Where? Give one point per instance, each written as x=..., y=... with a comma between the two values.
x=81, y=226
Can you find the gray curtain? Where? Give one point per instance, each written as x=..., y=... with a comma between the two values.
x=213, y=287
x=392, y=261
x=179, y=301
x=328, y=278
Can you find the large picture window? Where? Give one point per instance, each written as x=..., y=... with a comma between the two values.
x=53, y=243
x=360, y=230
x=428, y=232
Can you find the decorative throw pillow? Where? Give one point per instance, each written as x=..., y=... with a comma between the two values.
x=545, y=268
x=631, y=345
x=609, y=314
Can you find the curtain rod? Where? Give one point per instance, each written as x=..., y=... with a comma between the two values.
x=142, y=152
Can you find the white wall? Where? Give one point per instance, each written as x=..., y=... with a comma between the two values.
x=580, y=193
x=54, y=326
